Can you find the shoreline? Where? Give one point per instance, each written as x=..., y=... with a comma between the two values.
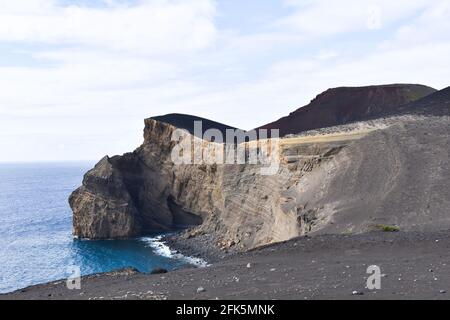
x=159, y=243
x=415, y=265
x=200, y=246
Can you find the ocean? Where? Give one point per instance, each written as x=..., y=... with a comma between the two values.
x=36, y=243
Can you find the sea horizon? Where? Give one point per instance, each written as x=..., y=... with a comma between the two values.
x=36, y=230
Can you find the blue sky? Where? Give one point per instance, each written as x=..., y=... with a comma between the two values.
x=78, y=77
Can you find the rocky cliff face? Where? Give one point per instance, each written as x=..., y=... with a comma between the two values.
x=341, y=180
x=144, y=192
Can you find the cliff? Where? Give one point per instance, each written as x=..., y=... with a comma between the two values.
x=144, y=192
x=348, y=179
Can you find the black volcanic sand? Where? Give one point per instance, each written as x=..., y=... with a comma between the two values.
x=201, y=246
x=414, y=265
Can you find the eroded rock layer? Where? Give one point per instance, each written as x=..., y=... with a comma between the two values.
x=394, y=171
x=144, y=192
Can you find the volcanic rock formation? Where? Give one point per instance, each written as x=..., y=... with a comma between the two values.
x=347, y=178
x=339, y=106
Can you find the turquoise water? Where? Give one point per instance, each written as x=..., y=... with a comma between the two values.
x=36, y=244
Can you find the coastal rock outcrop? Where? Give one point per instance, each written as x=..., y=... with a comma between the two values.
x=145, y=192
x=341, y=179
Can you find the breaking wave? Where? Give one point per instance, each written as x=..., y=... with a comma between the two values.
x=160, y=248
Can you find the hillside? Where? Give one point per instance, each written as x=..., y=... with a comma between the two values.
x=370, y=192
x=342, y=105
x=392, y=170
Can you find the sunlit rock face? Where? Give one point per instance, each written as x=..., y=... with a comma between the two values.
x=333, y=180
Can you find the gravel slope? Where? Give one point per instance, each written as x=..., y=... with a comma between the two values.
x=396, y=176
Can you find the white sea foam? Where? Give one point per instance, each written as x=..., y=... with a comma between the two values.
x=162, y=249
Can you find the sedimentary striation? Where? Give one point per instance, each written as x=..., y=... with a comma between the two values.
x=333, y=180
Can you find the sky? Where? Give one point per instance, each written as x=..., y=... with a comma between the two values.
x=78, y=77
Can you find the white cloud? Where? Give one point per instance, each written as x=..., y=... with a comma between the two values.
x=324, y=17
x=151, y=27
x=431, y=26
x=26, y=6
x=96, y=73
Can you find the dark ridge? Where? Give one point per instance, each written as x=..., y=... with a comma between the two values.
x=343, y=105
x=437, y=103
x=185, y=121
